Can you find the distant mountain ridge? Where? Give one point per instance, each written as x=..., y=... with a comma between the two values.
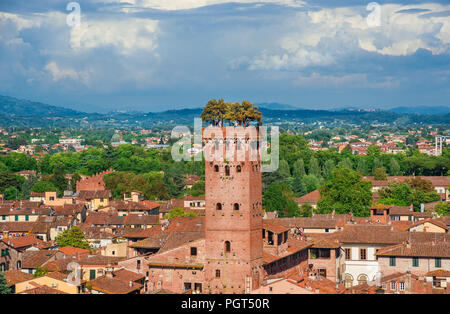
x=18, y=112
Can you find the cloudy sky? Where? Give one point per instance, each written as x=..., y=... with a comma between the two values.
x=154, y=55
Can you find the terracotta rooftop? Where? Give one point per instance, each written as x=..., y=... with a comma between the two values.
x=152, y=242
x=274, y=227
x=43, y=290
x=70, y=250
x=33, y=259
x=438, y=273
x=435, y=222
x=134, y=206
x=15, y=276
x=310, y=198
x=417, y=249
x=21, y=242
x=113, y=285
x=178, y=238
x=16, y=226
x=315, y=222
x=127, y=275
x=400, y=210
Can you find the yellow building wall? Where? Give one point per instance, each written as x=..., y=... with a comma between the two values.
x=428, y=227
x=119, y=249
x=49, y=282
x=96, y=203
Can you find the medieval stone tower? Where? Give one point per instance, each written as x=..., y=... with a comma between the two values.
x=233, y=222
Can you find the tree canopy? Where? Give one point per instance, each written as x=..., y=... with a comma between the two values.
x=179, y=212
x=72, y=237
x=219, y=111
x=345, y=192
x=4, y=288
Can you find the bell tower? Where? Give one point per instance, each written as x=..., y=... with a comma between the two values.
x=233, y=222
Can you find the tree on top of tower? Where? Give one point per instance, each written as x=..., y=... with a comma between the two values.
x=216, y=112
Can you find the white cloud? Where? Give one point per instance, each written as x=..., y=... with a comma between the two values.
x=127, y=36
x=60, y=73
x=173, y=5
x=326, y=36
x=19, y=21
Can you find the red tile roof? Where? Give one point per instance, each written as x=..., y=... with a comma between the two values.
x=310, y=198
x=15, y=276
x=417, y=249
x=113, y=285
x=21, y=242
x=70, y=250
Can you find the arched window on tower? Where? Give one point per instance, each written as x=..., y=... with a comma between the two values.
x=238, y=168
x=227, y=170
x=236, y=206
x=219, y=206
x=227, y=247
x=216, y=168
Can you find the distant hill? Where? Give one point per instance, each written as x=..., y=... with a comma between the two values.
x=423, y=110
x=11, y=106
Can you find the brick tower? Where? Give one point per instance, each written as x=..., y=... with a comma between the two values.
x=233, y=222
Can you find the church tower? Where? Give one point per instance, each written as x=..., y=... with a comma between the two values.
x=233, y=222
